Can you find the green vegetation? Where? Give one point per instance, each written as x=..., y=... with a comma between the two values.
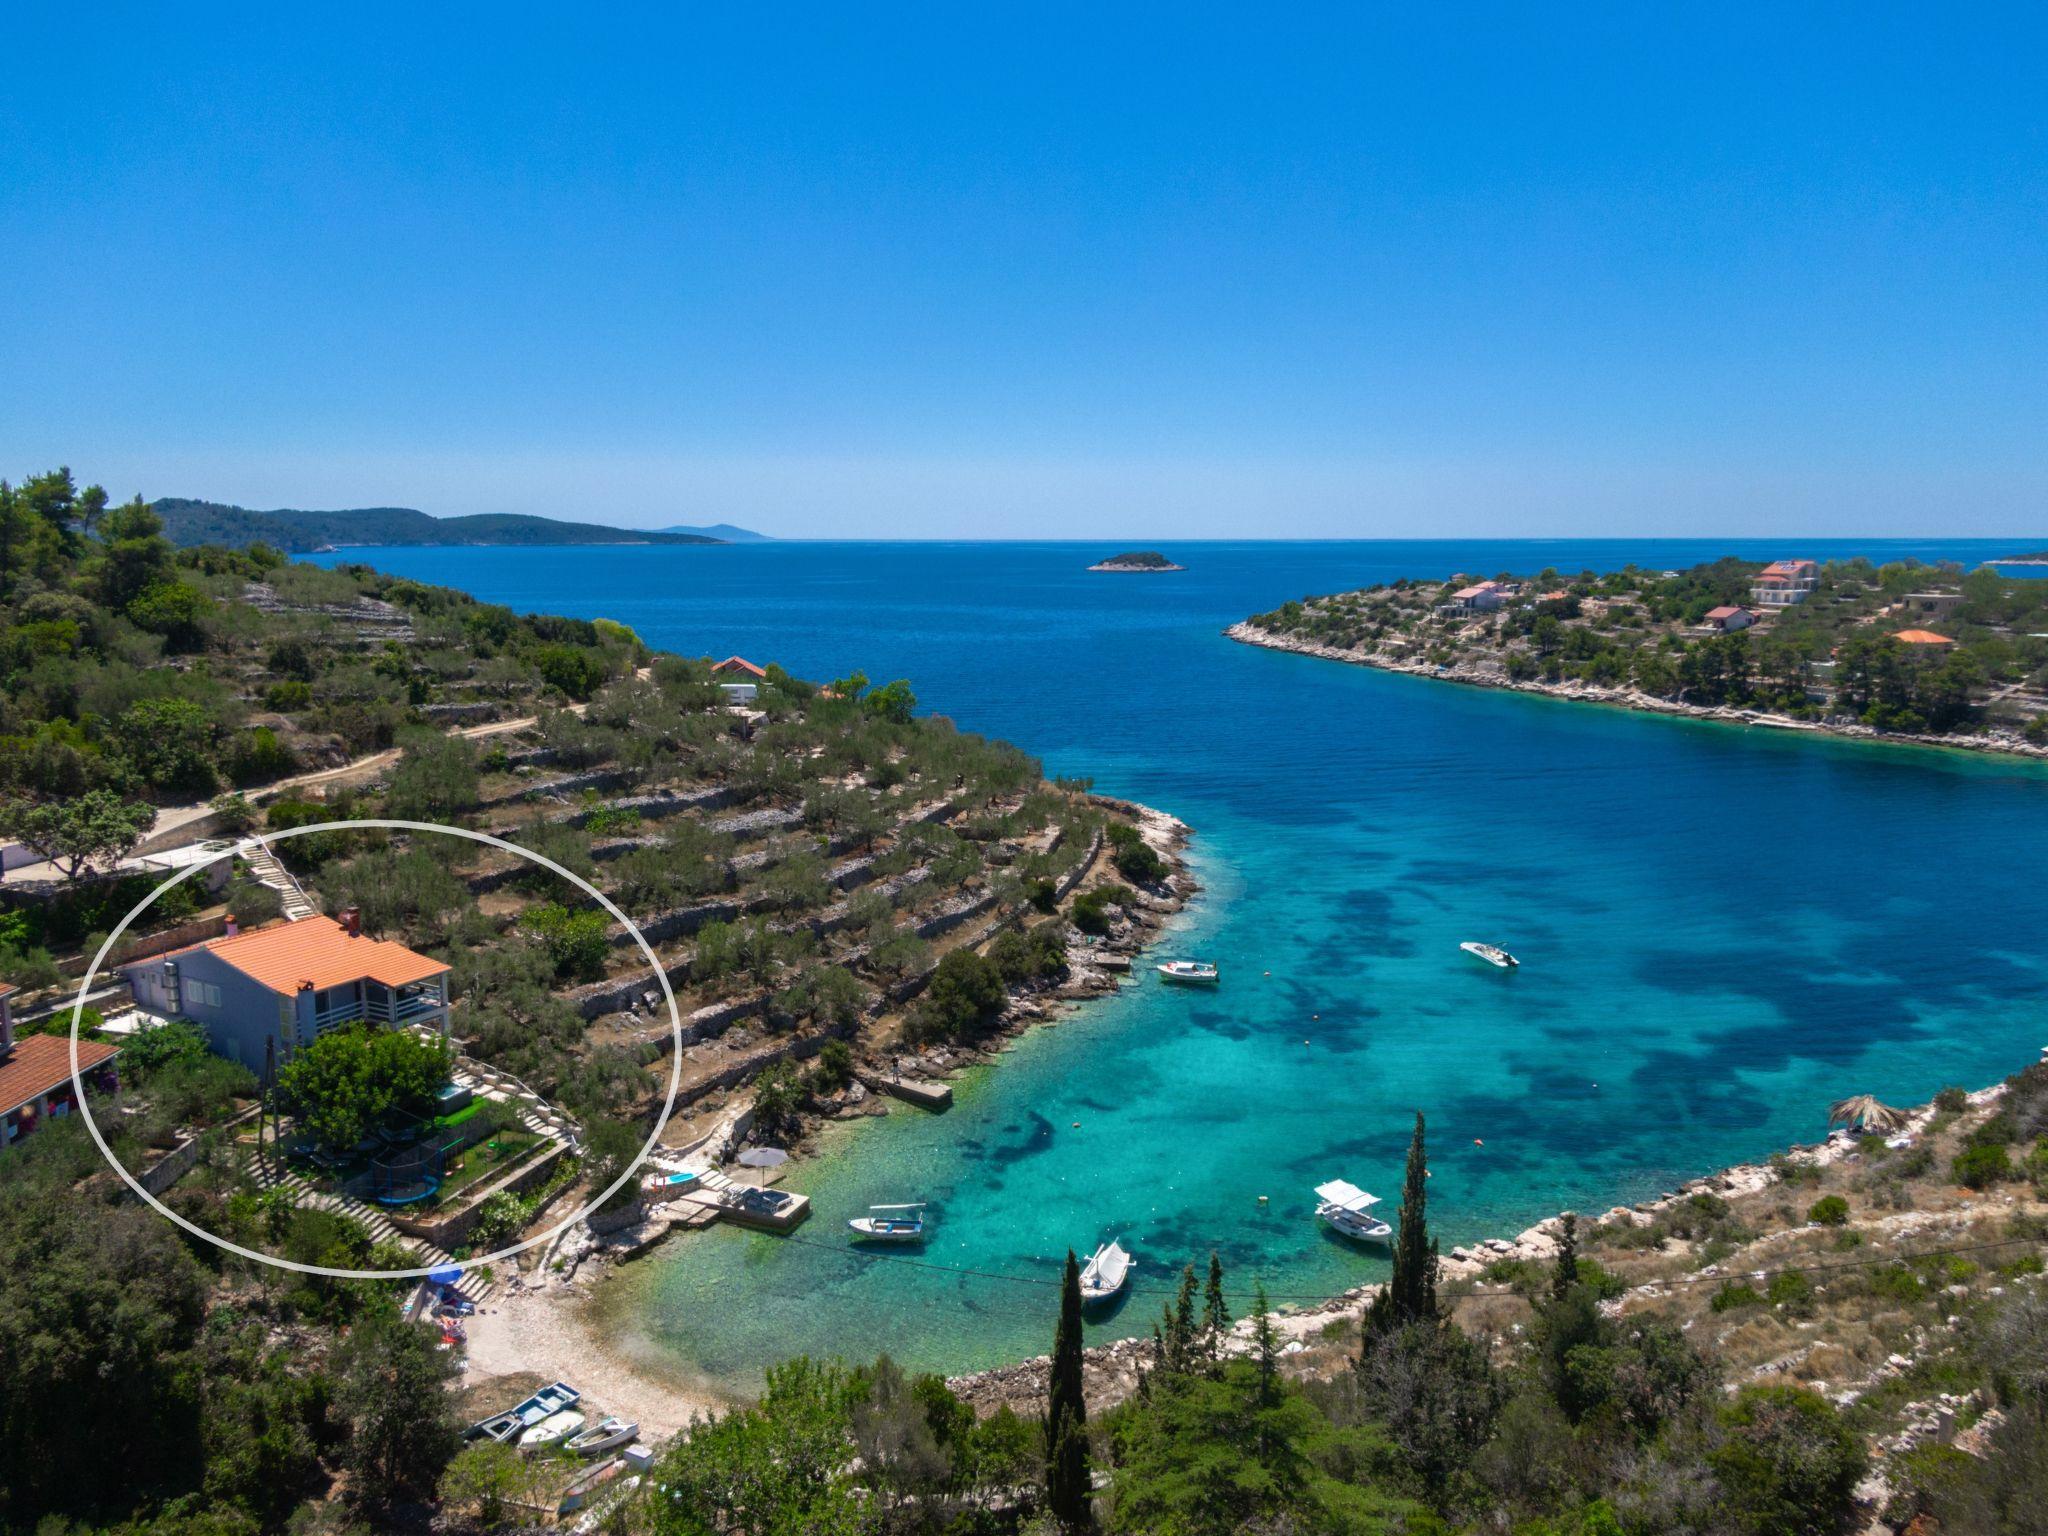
x=210, y=522
x=348, y=1079
x=1835, y=656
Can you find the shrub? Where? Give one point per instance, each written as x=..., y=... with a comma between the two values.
x=1788, y=1465
x=1791, y=1290
x=577, y=942
x=288, y=696
x=1829, y=1211
x=1952, y=1101
x=834, y=1069
x=1041, y=895
x=1733, y=1294
x=1980, y=1167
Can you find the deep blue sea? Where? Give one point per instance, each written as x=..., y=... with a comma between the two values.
x=1722, y=929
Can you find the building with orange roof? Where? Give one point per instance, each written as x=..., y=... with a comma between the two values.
x=738, y=666
x=740, y=679
x=1925, y=637
x=263, y=994
x=35, y=1074
x=1785, y=582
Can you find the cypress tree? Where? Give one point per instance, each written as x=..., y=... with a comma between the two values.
x=1410, y=1294
x=1066, y=1413
x=1566, y=1275
x=1215, y=1310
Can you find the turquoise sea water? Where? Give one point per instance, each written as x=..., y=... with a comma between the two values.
x=1722, y=929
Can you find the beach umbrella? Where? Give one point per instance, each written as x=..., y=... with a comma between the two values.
x=1864, y=1109
x=447, y=1274
x=763, y=1158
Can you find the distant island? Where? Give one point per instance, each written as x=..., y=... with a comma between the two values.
x=188, y=522
x=2038, y=557
x=724, y=533
x=1907, y=651
x=1133, y=561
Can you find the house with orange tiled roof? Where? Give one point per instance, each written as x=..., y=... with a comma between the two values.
x=263, y=994
x=35, y=1074
x=1785, y=582
x=1925, y=640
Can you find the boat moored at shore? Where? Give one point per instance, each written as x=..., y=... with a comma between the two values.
x=1106, y=1273
x=890, y=1224
x=1347, y=1210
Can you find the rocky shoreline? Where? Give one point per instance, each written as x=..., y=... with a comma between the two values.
x=1492, y=675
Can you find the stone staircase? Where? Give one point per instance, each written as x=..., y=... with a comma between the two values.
x=535, y=1112
x=269, y=1174
x=264, y=865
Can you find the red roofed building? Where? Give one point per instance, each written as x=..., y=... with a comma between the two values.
x=1728, y=619
x=1483, y=597
x=738, y=666
x=1926, y=638
x=35, y=1074
x=288, y=984
x=1785, y=582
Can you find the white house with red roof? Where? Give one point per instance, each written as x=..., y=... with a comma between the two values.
x=1480, y=597
x=35, y=1074
x=284, y=986
x=739, y=679
x=1727, y=619
x=1785, y=582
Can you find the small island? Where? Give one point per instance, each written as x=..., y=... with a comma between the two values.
x=2037, y=557
x=1135, y=561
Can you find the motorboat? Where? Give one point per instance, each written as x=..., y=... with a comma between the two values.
x=890, y=1224
x=1107, y=1272
x=607, y=1434
x=1187, y=973
x=1347, y=1210
x=1492, y=954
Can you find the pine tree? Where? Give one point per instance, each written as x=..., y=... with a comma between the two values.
x=1410, y=1293
x=1066, y=1413
x=1215, y=1311
x=1184, y=1321
x=1566, y=1275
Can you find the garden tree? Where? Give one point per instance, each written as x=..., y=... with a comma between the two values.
x=338, y=1086
x=964, y=996
x=577, y=943
x=783, y=1468
x=1067, y=1482
x=609, y=1148
x=436, y=780
x=96, y=828
x=825, y=994
x=486, y=1480
x=893, y=702
x=170, y=743
x=1410, y=1292
x=389, y=1391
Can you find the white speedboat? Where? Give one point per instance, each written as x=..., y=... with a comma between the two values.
x=1492, y=954
x=606, y=1435
x=1107, y=1272
x=890, y=1224
x=555, y=1427
x=1188, y=973
x=1347, y=1210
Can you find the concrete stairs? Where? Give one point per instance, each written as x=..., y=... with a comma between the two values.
x=264, y=865
x=267, y=1173
x=535, y=1112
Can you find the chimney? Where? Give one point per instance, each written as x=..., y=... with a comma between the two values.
x=229, y=927
x=352, y=920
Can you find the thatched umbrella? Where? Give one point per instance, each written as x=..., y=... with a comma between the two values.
x=1864, y=1109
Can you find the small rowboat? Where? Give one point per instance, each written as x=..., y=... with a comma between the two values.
x=1107, y=1272
x=1188, y=973
x=890, y=1224
x=553, y=1428
x=1492, y=954
x=605, y=1435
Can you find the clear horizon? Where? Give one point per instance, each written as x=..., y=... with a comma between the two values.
x=1565, y=272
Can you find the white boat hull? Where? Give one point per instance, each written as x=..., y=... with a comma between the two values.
x=1107, y=1272
x=865, y=1229
x=1365, y=1229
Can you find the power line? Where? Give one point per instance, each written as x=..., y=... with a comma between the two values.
x=1047, y=1282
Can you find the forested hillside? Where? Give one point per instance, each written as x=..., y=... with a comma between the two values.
x=189, y=522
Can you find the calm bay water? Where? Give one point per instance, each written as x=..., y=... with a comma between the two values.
x=1721, y=929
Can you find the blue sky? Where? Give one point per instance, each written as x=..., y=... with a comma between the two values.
x=1042, y=271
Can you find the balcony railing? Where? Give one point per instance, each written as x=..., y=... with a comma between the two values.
x=389, y=1011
